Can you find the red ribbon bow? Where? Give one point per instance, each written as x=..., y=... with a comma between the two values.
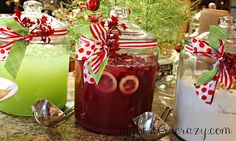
x=94, y=52
x=97, y=52
x=206, y=91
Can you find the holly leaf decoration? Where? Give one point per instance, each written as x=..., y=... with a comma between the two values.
x=14, y=25
x=98, y=75
x=207, y=76
x=15, y=57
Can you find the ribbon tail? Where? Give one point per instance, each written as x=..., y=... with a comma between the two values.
x=97, y=65
x=15, y=57
x=93, y=68
x=206, y=91
x=225, y=77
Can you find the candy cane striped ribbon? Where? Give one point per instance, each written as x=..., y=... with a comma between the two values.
x=206, y=91
x=138, y=44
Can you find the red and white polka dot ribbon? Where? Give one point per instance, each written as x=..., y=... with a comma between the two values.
x=206, y=91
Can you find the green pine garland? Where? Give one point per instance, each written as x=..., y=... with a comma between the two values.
x=161, y=17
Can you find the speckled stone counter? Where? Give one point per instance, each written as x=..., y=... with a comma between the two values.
x=14, y=128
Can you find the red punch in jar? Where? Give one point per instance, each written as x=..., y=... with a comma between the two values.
x=126, y=87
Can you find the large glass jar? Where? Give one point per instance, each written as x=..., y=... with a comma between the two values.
x=126, y=87
x=44, y=69
x=196, y=120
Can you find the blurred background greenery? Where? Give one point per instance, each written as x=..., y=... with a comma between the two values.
x=168, y=19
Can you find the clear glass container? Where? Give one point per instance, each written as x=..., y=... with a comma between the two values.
x=126, y=87
x=229, y=22
x=194, y=119
x=44, y=69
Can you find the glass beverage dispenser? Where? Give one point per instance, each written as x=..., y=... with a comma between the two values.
x=206, y=111
x=44, y=68
x=126, y=87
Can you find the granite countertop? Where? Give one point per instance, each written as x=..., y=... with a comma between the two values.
x=13, y=128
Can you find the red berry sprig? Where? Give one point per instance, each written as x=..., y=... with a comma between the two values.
x=25, y=22
x=41, y=28
x=178, y=48
x=230, y=61
x=114, y=33
x=95, y=18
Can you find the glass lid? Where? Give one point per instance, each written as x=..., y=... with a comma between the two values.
x=133, y=31
x=32, y=10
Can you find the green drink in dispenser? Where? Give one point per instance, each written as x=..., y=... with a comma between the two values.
x=44, y=68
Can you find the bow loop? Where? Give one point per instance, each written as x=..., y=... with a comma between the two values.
x=87, y=48
x=99, y=32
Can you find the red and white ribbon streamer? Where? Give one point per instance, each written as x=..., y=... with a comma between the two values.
x=206, y=91
x=138, y=45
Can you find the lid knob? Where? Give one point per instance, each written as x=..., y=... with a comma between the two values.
x=32, y=6
x=121, y=12
x=212, y=5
